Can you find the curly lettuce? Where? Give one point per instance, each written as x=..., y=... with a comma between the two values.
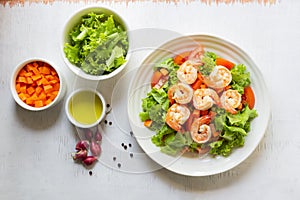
x=240, y=78
x=233, y=128
x=98, y=44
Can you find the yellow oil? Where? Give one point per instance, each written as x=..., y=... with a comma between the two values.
x=86, y=107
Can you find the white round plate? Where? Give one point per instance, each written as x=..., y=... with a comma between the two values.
x=207, y=165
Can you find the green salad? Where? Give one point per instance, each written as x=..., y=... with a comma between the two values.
x=98, y=44
x=200, y=103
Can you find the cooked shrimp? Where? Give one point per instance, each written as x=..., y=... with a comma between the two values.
x=220, y=77
x=187, y=72
x=204, y=99
x=177, y=115
x=181, y=93
x=230, y=100
x=200, y=130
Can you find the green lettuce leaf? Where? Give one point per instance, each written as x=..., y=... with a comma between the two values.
x=177, y=143
x=241, y=118
x=162, y=134
x=172, y=68
x=240, y=78
x=234, y=129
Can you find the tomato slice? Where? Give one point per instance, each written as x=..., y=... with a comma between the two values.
x=249, y=97
x=226, y=63
x=181, y=58
x=155, y=78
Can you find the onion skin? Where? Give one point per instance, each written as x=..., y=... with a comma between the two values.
x=89, y=160
x=82, y=145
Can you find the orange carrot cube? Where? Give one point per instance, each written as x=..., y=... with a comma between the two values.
x=21, y=79
x=22, y=72
x=38, y=90
x=18, y=85
x=38, y=103
x=22, y=96
x=23, y=89
x=29, y=80
x=36, y=77
x=30, y=90
x=48, y=88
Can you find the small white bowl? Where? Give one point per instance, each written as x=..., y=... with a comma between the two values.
x=15, y=74
x=73, y=21
x=71, y=99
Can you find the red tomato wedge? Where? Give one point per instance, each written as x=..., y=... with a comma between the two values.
x=181, y=58
x=226, y=63
x=249, y=97
x=155, y=78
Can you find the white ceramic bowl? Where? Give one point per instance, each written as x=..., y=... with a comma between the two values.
x=203, y=166
x=15, y=74
x=73, y=21
x=69, y=104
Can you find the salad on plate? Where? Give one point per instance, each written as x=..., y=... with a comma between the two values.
x=199, y=102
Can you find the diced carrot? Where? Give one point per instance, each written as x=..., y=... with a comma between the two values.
x=56, y=86
x=196, y=85
x=199, y=76
x=45, y=81
x=48, y=88
x=22, y=72
x=42, y=96
x=28, y=74
x=181, y=58
x=29, y=80
x=52, y=82
x=37, y=84
x=55, y=92
x=226, y=63
x=53, y=72
x=30, y=90
x=48, y=101
x=35, y=71
x=18, y=85
x=44, y=70
x=34, y=97
x=35, y=64
x=170, y=97
x=38, y=103
x=29, y=67
x=36, y=77
x=21, y=79
x=148, y=123
x=52, y=96
x=29, y=101
x=227, y=87
x=38, y=90
x=23, y=89
x=22, y=96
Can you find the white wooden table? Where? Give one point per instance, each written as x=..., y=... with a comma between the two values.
x=35, y=148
